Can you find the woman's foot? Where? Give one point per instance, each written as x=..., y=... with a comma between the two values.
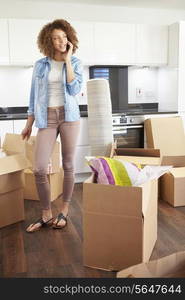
x=45, y=221
x=37, y=225
x=61, y=219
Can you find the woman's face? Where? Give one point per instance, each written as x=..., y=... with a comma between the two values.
x=59, y=40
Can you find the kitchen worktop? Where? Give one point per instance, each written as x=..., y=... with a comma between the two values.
x=20, y=113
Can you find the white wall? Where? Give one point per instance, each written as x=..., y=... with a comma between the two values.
x=145, y=79
x=157, y=84
x=78, y=12
x=167, y=88
x=15, y=85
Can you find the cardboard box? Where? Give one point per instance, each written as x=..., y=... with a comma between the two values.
x=172, y=187
x=138, y=155
x=168, y=266
x=119, y=224
x=11, y=188
x=11, y=207
x=14, y=141
x=167, y=135
x=55, y=180
x=54, y=163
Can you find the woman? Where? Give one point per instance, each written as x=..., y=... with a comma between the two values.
x=56, y=81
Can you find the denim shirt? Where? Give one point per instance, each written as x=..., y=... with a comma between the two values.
x=39, y=91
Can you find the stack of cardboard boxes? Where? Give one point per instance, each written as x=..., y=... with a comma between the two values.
x=17, y=180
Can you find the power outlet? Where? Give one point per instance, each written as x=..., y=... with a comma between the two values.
x=139, y=92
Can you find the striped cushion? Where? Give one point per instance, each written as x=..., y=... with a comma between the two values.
x=114, y=171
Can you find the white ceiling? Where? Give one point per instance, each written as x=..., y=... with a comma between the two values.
x=164, y=4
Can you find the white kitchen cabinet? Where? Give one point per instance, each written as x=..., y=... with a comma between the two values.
x=4, y=49
x=173, y=45
x=151, y=44
x=83, y=138
x=6, y=126
x=86, y=41
x=23, y=40
x=176, y=58
x=114, y=43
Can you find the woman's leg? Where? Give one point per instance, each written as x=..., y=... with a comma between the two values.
x=45, y=141
x=69, y=134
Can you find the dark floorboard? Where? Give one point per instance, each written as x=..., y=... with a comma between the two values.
x=55, y=253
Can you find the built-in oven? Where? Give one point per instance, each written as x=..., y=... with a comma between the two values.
x=128, y=131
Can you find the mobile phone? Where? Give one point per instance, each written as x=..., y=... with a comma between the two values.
x=67, y=48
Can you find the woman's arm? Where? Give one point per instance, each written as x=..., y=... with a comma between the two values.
x=75, y=78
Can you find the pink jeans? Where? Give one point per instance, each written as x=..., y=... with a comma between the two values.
x=45, y=140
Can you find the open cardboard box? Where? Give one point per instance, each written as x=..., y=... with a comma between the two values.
x=167, y=134
x=168, y=266
x=14, y=141
x=147, y=156
x=166, y=146
x=119, y=224
x=12, y=183
x=55, y=180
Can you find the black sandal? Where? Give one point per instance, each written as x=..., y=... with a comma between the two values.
x=42, y=224
x=60, y=217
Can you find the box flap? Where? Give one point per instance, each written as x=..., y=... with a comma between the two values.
x=14, y=142
x=175, y=161
x=13, y=163
x=178, y=172
x=162, y=267
x=149, y=193
x=166, y=134
x=137, y=152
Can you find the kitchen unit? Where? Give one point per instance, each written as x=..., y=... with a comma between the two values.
x=138, y=43
x=4, y=49
x=177, y=60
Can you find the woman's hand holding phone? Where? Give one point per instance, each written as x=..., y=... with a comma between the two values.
x=68, y=53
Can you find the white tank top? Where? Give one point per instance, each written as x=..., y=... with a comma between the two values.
x=55, y=88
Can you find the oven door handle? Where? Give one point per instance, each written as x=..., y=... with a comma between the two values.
x=118, y=130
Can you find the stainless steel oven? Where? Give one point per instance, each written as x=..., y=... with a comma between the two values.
x=128, y=131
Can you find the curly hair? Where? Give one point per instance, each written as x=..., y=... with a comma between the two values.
x=44, y=40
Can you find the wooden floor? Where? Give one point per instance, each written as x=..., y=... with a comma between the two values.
x=55, y=253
